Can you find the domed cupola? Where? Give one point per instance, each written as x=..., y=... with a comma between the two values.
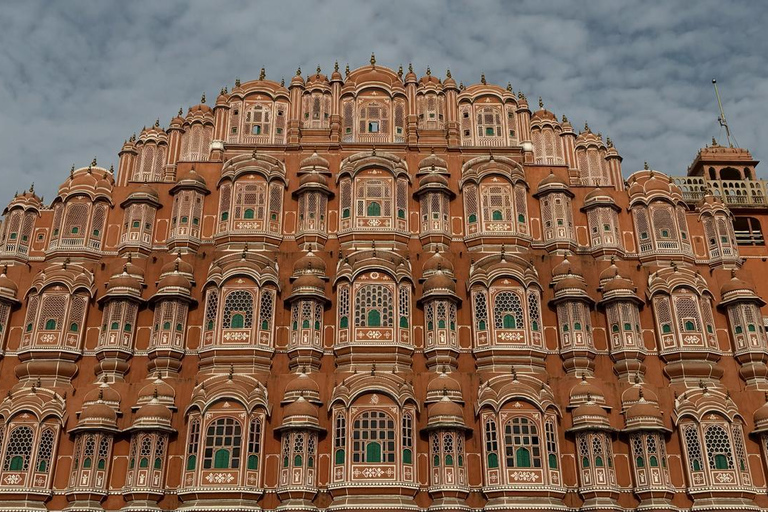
x=590, y=417
x=140, y=210
x=8, y=291
x=191, y=180
x=761, y=418
x=443, y=385
x=99, y=411
x=308, y=301
x=16, y=231
x=743, y=306
x=171, y=304
x=302, y=386
x=643, y=416
x=312, y=194
x=440, y=303
x=584, y=392
x=174, y=284
x=437, y=262
x=555, y=202
x=160, y=390
x=434, y=195
x=445, y=414
x=300, y=414
x=121, y=304
x=153, y=415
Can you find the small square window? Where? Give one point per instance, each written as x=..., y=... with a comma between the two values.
x=136, y=224
x=466, y=133
x=348, y=130
x=490, y=131
x=40, y=237
x=466, y=115
x=234, y=130
x=373, y=127
x=399, y=130
x=279, y=130
x=256, y=130
x=13, y=236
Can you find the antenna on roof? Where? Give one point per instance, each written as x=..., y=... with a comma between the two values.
x=722, y=119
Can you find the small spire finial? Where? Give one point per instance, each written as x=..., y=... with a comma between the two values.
x=509, y=86
x=586, y=126
x=448, y=73
x=282, y=82
x=32, y=188
x=157, y=123
x=429, y=71
x=482, y=79
x=93, y=162
x=181, y=111
x=346, y=70
x=373, y=59
x=202, y=98
x=645, y=165
x=262, y=73
x=336, y=66
x=318, y=69
x=541, y=102
x=400, y=71
x=237, y=82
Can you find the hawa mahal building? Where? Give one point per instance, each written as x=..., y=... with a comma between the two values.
x=374, y=291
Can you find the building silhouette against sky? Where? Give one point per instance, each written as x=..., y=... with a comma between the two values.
x=373, y=291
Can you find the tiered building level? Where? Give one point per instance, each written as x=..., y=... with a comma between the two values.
x=373, y=291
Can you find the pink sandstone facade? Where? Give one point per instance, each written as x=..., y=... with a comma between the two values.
x=378, y=291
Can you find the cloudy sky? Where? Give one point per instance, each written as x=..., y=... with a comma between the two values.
x=78, y=77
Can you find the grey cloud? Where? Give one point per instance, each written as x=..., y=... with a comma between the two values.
x=78, y=77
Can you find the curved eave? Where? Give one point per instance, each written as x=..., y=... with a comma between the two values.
x=300, y=426
x=646, y=428
x=151, y=428
x=169, y=294
x=142, y=199
x=117, y=294
x=434, y=187
x=442, y=293
x=189, y=186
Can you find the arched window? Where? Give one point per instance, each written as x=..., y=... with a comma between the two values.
x=193, y=444
x=718, y=446
x=508, y=310
x=50, y=324
x=45, y=450
x=238, y=310
x=223, y=442
x=254, y=444
x=340, y=438
x=407, y=438
x=373, y=306
x=19, y=449
x=374, y=209
x=491, y=444
x=522, y=443
x=373, y=437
